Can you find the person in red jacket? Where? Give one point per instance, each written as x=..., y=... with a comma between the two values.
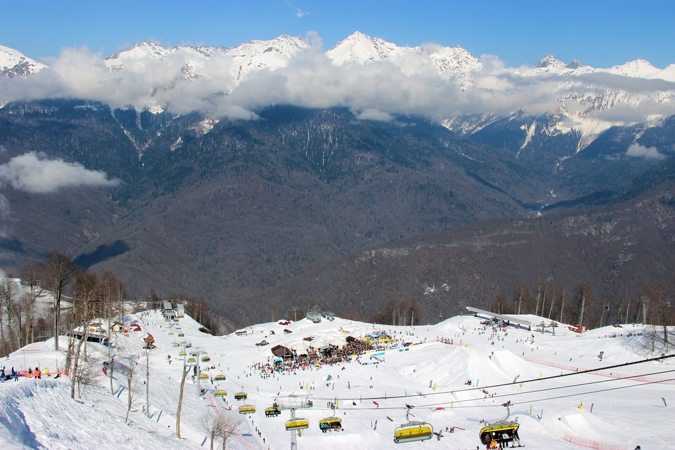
x=37, y=373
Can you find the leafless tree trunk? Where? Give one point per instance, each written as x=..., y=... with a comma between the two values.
x=112, y=294
x=180, y=399
x=86, y=295
x=31, y=276
x=543, y=299
x=662, y=313
x=228, y=427
x=584, y=298
x=519, y=294
x=627, y=310
x=553, y=298
x=562, y=304
x=619, y=310
x=18, y=318
x=131, y=370
x=212, y=424
x=87, y=373
x=273, y=309
x=605, y=307
x=60, y=269
x=499, y=304
x=76, y=364
x=7, y=293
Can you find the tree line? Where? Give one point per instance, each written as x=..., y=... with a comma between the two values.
x=399, y=312
x=87, y=296
x=651, y=305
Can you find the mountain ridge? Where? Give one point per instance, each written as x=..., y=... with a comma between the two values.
x=582, y=97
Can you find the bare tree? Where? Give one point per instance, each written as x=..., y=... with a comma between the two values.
x=31, y=277
x=212, y=424
x=627, y=309
x=620, y=308
x=112, y=295
x=273, y=309
x=86, y=295
x=499, y=304
x=584, y=298
x=662, y=312
x=8, y=292
x=180, y=398
x=547, y=288
x=87, y=373
x=129, y=376
x=520, y=293
x=554, y=296
x=19, y=314
x=605, y=307
x=228, y=427
x=59, y=269
x=563, y=302
x=538, y=298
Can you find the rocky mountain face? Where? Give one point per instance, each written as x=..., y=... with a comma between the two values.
x=233, y=210
x=249, y=203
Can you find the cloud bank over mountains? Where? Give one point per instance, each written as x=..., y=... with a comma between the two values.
x=35, y=173
x=374, y=78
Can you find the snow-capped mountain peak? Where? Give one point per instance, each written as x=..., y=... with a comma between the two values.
x=549, y=61
x=15, y=64
x=575, y=64
x=639, y=68
x=450, y=63
x=361, y=49
x=579, y=96
x=141, y=50
x=252, y=55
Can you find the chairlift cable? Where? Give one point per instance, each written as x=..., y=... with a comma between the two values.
x=532, y=380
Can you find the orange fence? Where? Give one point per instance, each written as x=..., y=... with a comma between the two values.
x=641, y=379
x=43, y=373
x=592, y=444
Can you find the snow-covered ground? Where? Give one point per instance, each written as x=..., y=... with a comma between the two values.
x=430, y=375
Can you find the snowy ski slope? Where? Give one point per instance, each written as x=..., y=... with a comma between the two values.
x=430, y=375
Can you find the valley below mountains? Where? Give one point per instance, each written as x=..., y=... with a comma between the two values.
x=314, y=206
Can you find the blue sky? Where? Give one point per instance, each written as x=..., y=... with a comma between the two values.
x=598, y=33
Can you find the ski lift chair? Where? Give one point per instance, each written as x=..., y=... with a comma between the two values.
x=413, y=431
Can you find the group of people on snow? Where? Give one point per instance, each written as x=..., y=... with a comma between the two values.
x=15, y=375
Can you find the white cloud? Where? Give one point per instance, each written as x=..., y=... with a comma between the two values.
x=299, y=13
x=33, y=172
x=374, y=114
x=640, y=151
x=406, y=86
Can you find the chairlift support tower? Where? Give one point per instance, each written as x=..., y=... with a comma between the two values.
x=293, y=402
x=199, y=351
